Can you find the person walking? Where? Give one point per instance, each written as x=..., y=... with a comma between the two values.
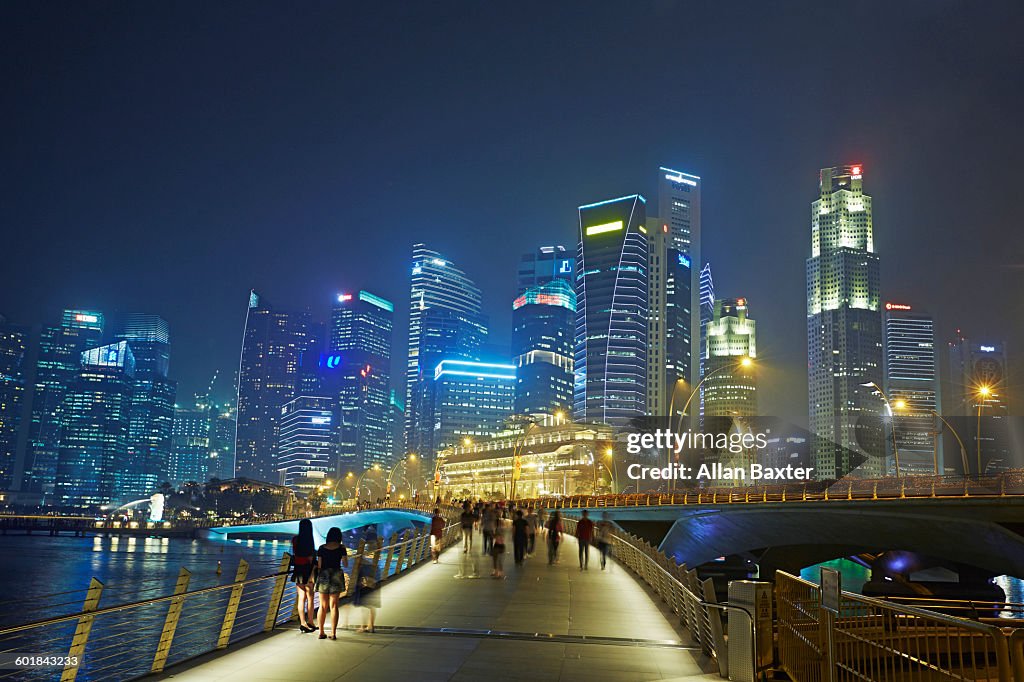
x=303, y=556
x=554, y=532
x=367, y=590
x=487, y=524
x=467, y=519
x=498, y=548
x=436, y=533
x=603, y=537
x=330, y=579
x=584, y=534
x=520, y=535
x=532, y=521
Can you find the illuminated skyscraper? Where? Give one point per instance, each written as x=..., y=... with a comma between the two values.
x=911, y=383
x=730, y=388
x=96, y=427
x=544, y=265
x=612, y=312
x=308, y=444
x=357, y=375
x=14, y=342
x=543, y=323
x=844, y=328
x=153, y=397
x=469, y=399
x=679, y=207
x=57, y=365
x=190, y=446
x=278, y=349
x=445, y=322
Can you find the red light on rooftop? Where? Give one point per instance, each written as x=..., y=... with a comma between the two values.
x=856, y=170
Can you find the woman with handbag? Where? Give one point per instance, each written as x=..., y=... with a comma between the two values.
x=303, y=556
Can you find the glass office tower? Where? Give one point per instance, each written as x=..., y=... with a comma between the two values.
x=730, y=389
x=543, y=323
x=612, y=311
x=14, y=341
x=844, y=328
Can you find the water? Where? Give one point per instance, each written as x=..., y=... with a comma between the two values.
x=47, y=577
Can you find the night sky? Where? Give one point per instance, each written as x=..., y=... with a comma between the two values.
x=166, y=157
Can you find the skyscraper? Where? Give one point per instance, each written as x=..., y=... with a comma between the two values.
x=543, y=324
x=96, y=426
x=308, y=439
x=357, y=375
x=730, y=388
x=544, y=265
x=14, y=342
x=612, y=311
x=911, y=383
x=278, y=348
x=978, y=377
x=190, y=445
x=679, y=207
x=153, y=397
x=658, y=392
x=445, y=321
x=844, y=335
x=469, y=399
x=60, y=351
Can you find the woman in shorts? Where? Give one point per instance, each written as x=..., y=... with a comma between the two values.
x=330, y=579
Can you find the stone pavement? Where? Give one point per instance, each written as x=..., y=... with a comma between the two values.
x=558, y=600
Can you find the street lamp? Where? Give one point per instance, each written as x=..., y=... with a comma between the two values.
x=963, y=450
x=517, y=453
x=892, y=415
x=610, y=454
x=410, y=458
x=984, y=392
x=375, y=467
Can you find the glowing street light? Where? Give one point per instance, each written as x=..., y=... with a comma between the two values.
x=984, y=392
x=888, y=406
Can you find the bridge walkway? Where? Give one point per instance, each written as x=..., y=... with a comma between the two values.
x=596, y=626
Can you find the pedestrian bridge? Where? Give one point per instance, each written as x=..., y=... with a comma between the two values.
x=644, y=618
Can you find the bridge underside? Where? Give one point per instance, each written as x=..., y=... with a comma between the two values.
x=978, y=533
x=387, y=521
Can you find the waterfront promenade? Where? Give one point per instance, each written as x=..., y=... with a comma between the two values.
x=541, y=623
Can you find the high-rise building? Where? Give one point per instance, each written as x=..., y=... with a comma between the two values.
x=221, y=462
x=659, y=394
x=357, y=374
x=911, y=385
x=544, y=265
x=543, y=324
x=153, y=397
x=96, y=426
x=707, y=313
x=679, y=207
x=14, y=341
x=730, y=387
x=978, y=377
x=469, y=399
x=278, y=350
x=190, y=446
x=612, y=309
x=445, y=322
x=844, y=328
x=308, y=439
x=59, y=359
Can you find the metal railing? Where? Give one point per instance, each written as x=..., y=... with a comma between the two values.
x=129, y=640
x=871, y=639
x=1007, y=484
x=692, y=600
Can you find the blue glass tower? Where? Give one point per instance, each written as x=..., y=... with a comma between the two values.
x=470, y=399
x=612, y=311
x=543, y=322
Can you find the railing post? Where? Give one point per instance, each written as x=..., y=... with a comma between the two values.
x=163, y=647
x=277, y=594
x=233, y=600
x=401, y=555
x=92, y=600
x=356, y=565
x=391, y=554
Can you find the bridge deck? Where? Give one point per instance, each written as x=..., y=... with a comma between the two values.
x=559, y=600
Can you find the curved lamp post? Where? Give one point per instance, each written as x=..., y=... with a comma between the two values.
x=892, y=415
x=411, y=457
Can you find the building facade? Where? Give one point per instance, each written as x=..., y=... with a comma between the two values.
x=57, y=364
x=469, y=399
x=844, y=329
x=730, y=386
x=445, y=321
x=543, y=324
x=14, y=345
x=544, y=265
x=912, y=386
x=96, y=427
x=308, y=440
x=612, y=312
x=279, y=349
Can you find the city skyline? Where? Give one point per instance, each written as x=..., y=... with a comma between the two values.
x=228, y=236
